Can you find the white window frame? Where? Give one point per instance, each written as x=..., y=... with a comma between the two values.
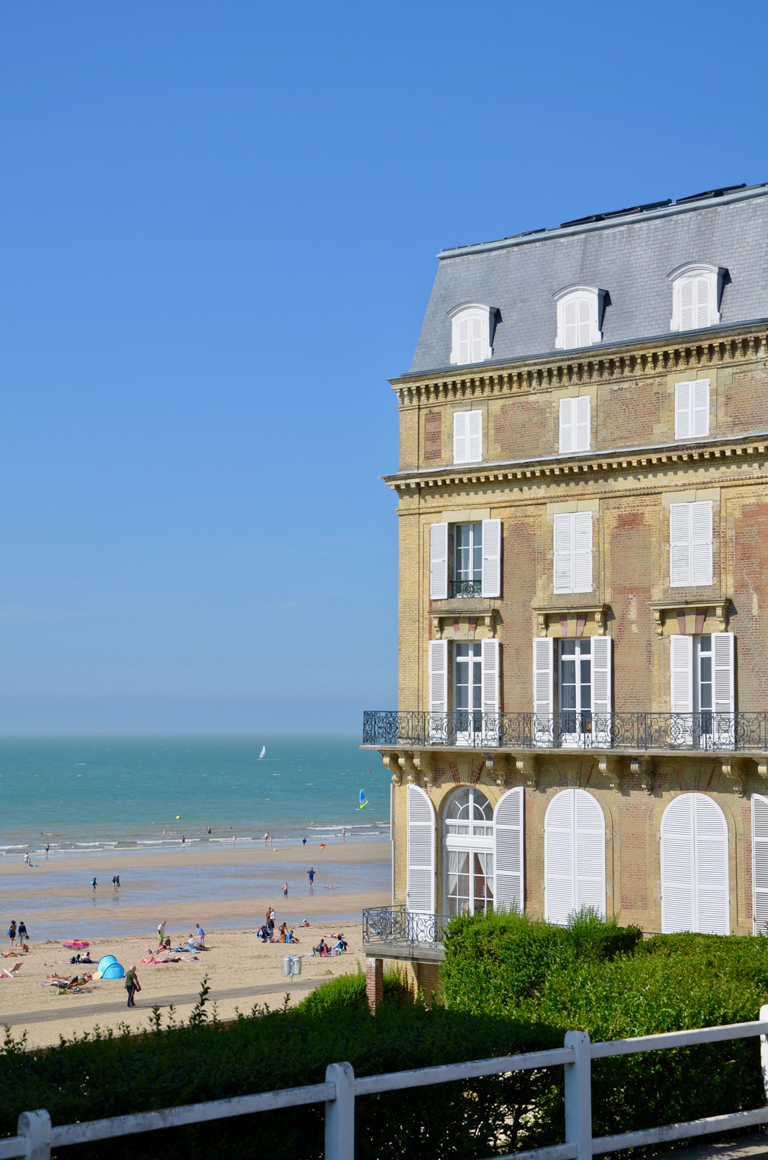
x=692, y=406
x=572, y=558
x=575, y=424
x=594, y=298
x=470, y=313
x=467, y=436
x=691, y=539
x=694, y=272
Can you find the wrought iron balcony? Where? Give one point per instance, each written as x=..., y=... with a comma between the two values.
x=458, y=588
x=396, y=932
x=569, y=730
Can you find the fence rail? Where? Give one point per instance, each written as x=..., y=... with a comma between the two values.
x=568, y=730
x=36, y=1136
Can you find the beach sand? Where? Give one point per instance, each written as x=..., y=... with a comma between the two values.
x=241, y=970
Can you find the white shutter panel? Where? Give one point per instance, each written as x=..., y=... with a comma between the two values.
x=701, y=542
x=543, y=690
x=681, y=674
x=601, y=690
x=438, y=562
x=700, y=408
x=686, y=305
x=567, y=426
x=460, y=437
x=489, y=666
x=582, y=422
x=474, y=436
x=723, y=683
x=464, y=341
x=677, y=868
x=421, y=852
x=508, y=854
x=477, y=339
x=683, y=411
x=585, y=322
x=438, y=676
x=680, y=545
x=571, y=325
x=711, y=866
x=589, y=846
x=559, y=869
x=582, y=552
x=563, y=553
x=702, y=303
x=491, y=574
x=760, y=861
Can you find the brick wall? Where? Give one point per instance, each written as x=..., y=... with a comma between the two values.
x=524, y=427
x=632, y=626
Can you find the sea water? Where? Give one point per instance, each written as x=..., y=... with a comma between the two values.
x=82, y=794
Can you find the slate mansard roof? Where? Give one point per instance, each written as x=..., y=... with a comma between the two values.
x=629, y=257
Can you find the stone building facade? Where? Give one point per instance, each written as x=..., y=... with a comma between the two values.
x=583, y=506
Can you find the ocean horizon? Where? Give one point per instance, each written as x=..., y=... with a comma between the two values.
x=90, y=793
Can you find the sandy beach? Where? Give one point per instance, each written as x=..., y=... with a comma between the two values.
x=241, y=969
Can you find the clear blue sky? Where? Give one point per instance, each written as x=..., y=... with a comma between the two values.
x=218, y=237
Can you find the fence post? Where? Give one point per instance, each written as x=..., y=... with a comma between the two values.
x=764, y=1049
x=340, y=1113
x=578, y=1094
x=36, y=1128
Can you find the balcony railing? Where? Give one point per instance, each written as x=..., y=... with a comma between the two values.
x=396, y=926
x=568, y=730
x=460, y=588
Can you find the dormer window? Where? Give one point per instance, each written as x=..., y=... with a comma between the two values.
x=470, y=333
x=696, y=291
x=579, y=316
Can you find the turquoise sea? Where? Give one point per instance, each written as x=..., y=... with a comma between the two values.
x=84, y=794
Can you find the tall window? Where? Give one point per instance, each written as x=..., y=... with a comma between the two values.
x=470, y=333
x=696, y=289
x=574, y=856
x=692, y=409
x=760, y=861
x=467, y=560
x=467, y=436
x=690, y=544
x=694, y=866
x=468, y=688
x=575, y=687
x=575, y=424
x=702, y=688
x=469, y=849
x=572, y=691
x=573, y=552
x=579, y=311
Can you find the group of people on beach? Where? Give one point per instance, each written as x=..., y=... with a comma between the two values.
x=18, y=936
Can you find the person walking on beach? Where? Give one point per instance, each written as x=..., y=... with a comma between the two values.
x=344, y=834
x=132, y=984
x=285, y=890
x=311, y=876
x=47, y=848
x=183, y=841
x=94, y=884
x=22, y=932
x=26, y=859
x=303, y=841
x=12, y=932
x=234, y=841
x=161, y=931
x=200, y=933
x=266, y=839
x=114, y=883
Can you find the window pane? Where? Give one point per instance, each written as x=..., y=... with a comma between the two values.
x=477, y=551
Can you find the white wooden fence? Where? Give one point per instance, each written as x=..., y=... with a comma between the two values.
x=36, y=1136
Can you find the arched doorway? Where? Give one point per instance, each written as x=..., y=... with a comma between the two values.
x=574, y=855
x=694, y=866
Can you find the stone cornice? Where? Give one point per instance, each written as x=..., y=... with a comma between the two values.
x=666, y=354
x=664, y=455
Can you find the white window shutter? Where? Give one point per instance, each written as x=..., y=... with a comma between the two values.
x=489, y=666
x=680, y=547
x=686, y=304
x=700, y=408
x=477, y=339
x=543, y=674
x=438, y=676
x=460, y=433
x=702, y=303
x=563, y=553
x=491, y=573
x=509, y=861
x=681, y=674
x=567, y=426
x=677, y=865
x=582, y=422
x=582, y=551
x=601, y=677
x=683, y=410
x=701, y=542
x=723, y=682
x=464, y=341
x=585, y=322
x=571, y=326
x=760, y=861
x=559, y=868
x=711, y=867
x=438, y=562
x=421, y=852
x=589, y=845
x=474, y=436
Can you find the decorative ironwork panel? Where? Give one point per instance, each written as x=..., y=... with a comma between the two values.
x=396, y=926
x=461, y=588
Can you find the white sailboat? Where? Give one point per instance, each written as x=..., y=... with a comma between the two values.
x=263, y=751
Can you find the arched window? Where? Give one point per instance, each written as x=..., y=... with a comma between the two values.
x=760, y=861
x=469, y=852
x=574, y=855
x=696, y=291
x=694, y=866
x=579, y=316
x=470, y=333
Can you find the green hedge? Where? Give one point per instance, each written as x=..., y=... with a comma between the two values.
x=112, y=1075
